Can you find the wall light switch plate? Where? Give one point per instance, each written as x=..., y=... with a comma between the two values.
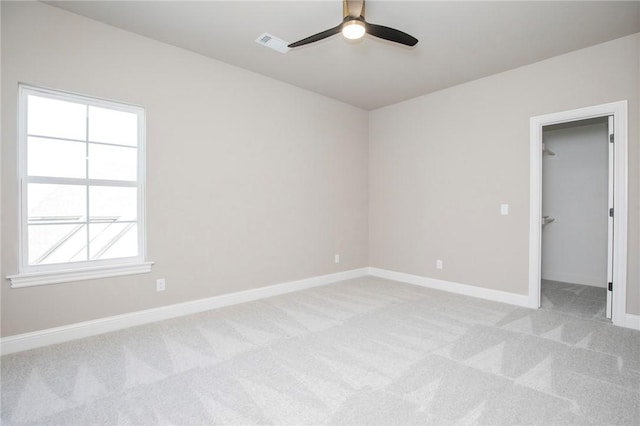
x=504, y=209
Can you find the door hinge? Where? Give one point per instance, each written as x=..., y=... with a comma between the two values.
x=610, y=287
x=611, y=212
x=611, y=138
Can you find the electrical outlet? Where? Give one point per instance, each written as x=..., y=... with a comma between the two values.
x=160, y=284
x=439, y=264
x=336, y=258
x=504, y=209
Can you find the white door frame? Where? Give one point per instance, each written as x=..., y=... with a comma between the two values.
x=611, y=166
x=619, y=112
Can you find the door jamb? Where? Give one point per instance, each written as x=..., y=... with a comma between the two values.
x=619, y=111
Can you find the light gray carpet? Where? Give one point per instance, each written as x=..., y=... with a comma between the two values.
x=365, y=351
x=574, y=299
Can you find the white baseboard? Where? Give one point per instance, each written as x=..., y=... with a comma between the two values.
x=51, y=336
x=632, y=321
x=465, y=289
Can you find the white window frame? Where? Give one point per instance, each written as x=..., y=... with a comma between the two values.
x=31, y=275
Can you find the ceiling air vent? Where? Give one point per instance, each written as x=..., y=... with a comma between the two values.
x=273, y=42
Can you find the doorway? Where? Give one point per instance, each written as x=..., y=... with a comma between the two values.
x=577, y=228
x=617, y=249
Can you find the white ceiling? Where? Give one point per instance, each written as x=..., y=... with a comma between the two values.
x=459, y=41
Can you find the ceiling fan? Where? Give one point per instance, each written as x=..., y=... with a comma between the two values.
x=354, y=26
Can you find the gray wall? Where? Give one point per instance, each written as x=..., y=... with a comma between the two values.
x=575, y=192
x=441, y=165
x=250, y=181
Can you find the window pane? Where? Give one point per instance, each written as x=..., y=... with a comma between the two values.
x=47, y=202
x=113, y=240
x=69, y=140
x=57, y=244
x=54, y=118
x=112, y=162
x=111, y=203
x=111, y=126
x=56, y=158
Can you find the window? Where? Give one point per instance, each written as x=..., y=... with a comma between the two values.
x=81, y=171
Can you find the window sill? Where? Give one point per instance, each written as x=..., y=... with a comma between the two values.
x=31, y=279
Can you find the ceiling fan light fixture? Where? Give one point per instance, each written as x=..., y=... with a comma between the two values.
x=354, y=26
x=353, y=29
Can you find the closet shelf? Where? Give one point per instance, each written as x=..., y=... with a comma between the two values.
x=547, y=151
